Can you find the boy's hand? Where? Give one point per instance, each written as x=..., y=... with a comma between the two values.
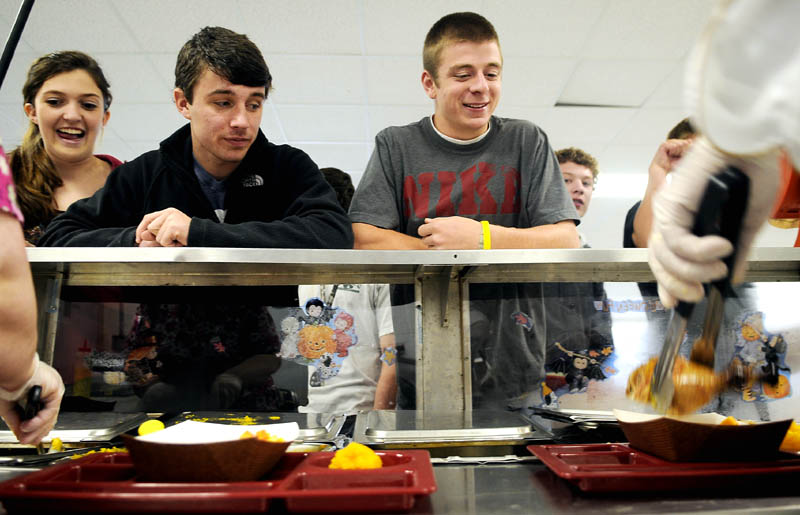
x=166, y=228
x=451, y=232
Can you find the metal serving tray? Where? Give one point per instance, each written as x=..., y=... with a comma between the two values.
x=314, y=427
x=577, y=416
x=417, y=427
x=74, y=427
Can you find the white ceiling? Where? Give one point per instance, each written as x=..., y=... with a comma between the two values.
x=344, y=69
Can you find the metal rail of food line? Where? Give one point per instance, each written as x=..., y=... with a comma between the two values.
x=441, y=282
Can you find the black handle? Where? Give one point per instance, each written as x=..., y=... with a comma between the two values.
x=32, y=403
x=721, y=212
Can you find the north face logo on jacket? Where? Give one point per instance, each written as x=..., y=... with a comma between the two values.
x=252, y=181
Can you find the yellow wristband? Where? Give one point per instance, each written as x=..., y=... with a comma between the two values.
x=487, y=235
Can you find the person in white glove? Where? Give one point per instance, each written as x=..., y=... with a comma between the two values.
x=742, y=82
x=32, y=431
x=682, y=261
x=20, y=368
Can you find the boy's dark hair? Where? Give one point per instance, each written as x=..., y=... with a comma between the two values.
x=455, y=27
x=342, y=184
x=314, y=302
x=579, y=157
x=684, y=130
x=230, y=55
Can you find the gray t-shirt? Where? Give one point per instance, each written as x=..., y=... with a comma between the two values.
x=510, y=178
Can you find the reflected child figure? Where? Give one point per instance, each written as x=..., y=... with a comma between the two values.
x=367, y=378
x=66, y=98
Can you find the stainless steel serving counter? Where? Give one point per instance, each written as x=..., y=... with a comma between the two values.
x=441, y=280
x=532, y=488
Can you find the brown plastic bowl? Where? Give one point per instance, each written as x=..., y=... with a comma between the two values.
x=677, y=439
x=235, y=460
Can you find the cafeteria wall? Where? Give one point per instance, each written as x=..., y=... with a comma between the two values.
x=607, y=80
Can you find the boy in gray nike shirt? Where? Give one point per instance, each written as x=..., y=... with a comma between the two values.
x=431, y=184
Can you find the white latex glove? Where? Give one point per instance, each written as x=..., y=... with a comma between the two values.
x=681, y=261
x=32, y=431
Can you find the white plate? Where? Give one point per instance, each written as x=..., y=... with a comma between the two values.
x=207, y=432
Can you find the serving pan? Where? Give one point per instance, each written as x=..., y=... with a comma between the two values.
x=79, y=427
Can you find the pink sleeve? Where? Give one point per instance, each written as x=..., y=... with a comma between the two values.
x=8, y=196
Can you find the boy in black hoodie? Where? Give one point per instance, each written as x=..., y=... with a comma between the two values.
x=216, y=182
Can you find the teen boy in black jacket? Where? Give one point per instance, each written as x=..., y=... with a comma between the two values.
x=216, y=182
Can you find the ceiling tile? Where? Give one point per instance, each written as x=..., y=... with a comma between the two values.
x=87, y=25
x=382, y=116
x=316, y=79
x=323, y=123
x=11, y=90
x=134, y=78
x=649, y=126
x=170, y=24
x=632, y=159
x=164, y=65
x=614, y=82
x=10, y=10
x=308, y=27
x=399, y=28
x=145, y=122
x=534, y=81
x=395, y=81
x=585, y=124
x=669, y=92
x=543, y=27
x=642, y=29
x=345, y=156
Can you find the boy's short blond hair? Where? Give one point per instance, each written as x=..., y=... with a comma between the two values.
x=455, y=27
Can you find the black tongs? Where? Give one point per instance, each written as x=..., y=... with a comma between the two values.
x=31, y=404
x=721, y=212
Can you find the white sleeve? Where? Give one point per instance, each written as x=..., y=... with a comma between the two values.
x=383, y=309
x=743, y=77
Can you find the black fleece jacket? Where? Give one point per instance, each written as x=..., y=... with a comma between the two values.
x=276, y=198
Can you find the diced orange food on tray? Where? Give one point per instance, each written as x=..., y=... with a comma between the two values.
x=355, y=457
x=262, y=435
x=93, y=451
x=791, y=442
x=732, y=421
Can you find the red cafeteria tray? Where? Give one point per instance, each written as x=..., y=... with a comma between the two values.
x=621, y=468
x=107, y=482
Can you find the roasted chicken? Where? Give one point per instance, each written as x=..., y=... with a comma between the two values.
x=695, y=384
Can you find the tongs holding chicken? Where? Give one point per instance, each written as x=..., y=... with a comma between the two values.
x=675, y=385
x=694, y=384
